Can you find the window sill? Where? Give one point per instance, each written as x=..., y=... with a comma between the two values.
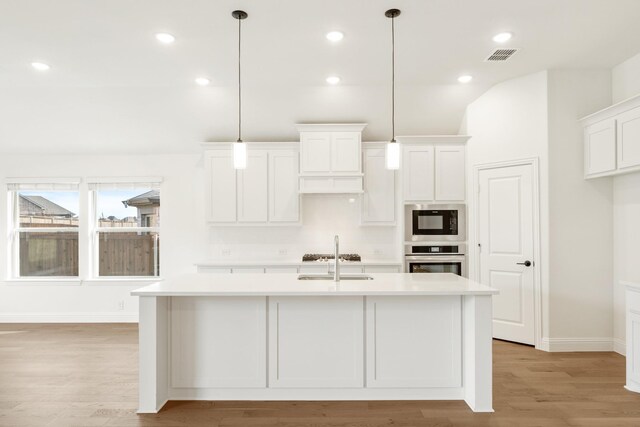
x=124, y=281
x=43, y=282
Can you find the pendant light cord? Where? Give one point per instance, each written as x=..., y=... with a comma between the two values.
x=393, y=80
x=239, y=82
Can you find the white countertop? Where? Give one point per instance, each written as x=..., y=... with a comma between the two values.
x=283, y=263
x=397, y=284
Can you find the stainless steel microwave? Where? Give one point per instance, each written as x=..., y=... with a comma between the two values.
x=435, y=222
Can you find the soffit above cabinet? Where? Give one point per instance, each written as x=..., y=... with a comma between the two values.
x=433, y=139
x=330, y=127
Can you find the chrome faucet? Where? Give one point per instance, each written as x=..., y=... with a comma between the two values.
x=336, y=269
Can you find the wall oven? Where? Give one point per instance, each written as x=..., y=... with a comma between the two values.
x=435, y=222
x=436, y=259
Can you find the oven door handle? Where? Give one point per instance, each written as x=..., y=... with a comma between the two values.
x=436, y=258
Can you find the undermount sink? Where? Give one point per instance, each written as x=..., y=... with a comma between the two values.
x=330, y=277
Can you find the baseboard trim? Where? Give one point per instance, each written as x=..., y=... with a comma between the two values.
x=68, y=317
x=577, y=344
x=619, y=346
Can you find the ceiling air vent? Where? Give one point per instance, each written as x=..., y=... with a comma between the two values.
x=501, y=55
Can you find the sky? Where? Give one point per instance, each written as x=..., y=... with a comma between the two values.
x=109, y=202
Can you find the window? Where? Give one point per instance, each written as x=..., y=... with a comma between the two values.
x=43, y=228
x=126, y=229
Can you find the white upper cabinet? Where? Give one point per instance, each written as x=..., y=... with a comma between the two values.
x=418, y=163
x=265, y=193
x=450, y=176
x=629, y=139
x=220, y=186
x=252, y=188
x=612, y=140
x=433, y=168
x=378, y=200
x=345, y=152
x=315, y=152
x=331, y=158
x=284, y=199
x=600, y=147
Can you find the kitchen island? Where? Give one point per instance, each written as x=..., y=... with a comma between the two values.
x=275, y=337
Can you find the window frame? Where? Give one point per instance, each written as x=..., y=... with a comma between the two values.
x=14, y=228
x=95, y=230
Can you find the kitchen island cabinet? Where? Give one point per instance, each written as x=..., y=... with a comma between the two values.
x=274, y=337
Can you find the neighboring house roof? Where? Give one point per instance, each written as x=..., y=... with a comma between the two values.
x=150, y=198
x=38, y=205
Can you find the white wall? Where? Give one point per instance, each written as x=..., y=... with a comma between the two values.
x=626, y=208
x=580, y=216
x=509, y=122
x=185, y=236
x=182, y=235
x=536, y=116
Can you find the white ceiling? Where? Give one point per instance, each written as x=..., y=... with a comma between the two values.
x=112, y=87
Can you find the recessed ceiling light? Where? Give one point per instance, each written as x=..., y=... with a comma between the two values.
x=40, y=66
x=465, y=79
x=165, y=38
x=202, y=81
x=335, y=36
x=333, y=80
x=502, y=37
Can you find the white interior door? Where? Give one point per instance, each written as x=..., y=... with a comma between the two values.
x=505, y=214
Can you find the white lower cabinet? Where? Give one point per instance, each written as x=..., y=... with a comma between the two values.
x=207, y=353
x=426, y=356
x=265, y=193
x=633, y=337
x=247, y=270
x=316, y=342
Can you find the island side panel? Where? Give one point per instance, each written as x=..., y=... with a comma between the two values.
x=414, y=342
x=316, y=342
x=477, y=353
x=219, y=342
x=153, y=338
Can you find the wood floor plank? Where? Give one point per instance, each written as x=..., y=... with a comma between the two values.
x=86, y=375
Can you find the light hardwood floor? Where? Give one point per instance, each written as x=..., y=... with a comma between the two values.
x=86, y=375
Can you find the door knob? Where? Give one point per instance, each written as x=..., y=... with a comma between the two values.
x=527, y=263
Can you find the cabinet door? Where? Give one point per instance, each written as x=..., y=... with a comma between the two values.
x=315, y=152
x=418, y=174
x=345, y=152
x=378, y=200
x=600, y=147
x=221, y=186
x=284, y=199
x=252, y=188
x=629, y=139
x=450, y=173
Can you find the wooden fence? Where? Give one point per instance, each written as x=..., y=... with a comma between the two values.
x=120, y=254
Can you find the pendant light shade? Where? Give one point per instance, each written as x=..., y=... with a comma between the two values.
x=239, y=155
x=393, y=148
x=239, y=147
x=393, y=155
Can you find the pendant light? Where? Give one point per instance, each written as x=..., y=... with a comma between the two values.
x=393, y=148
x=239, y=147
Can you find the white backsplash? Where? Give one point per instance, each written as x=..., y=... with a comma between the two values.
x=323, y=216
